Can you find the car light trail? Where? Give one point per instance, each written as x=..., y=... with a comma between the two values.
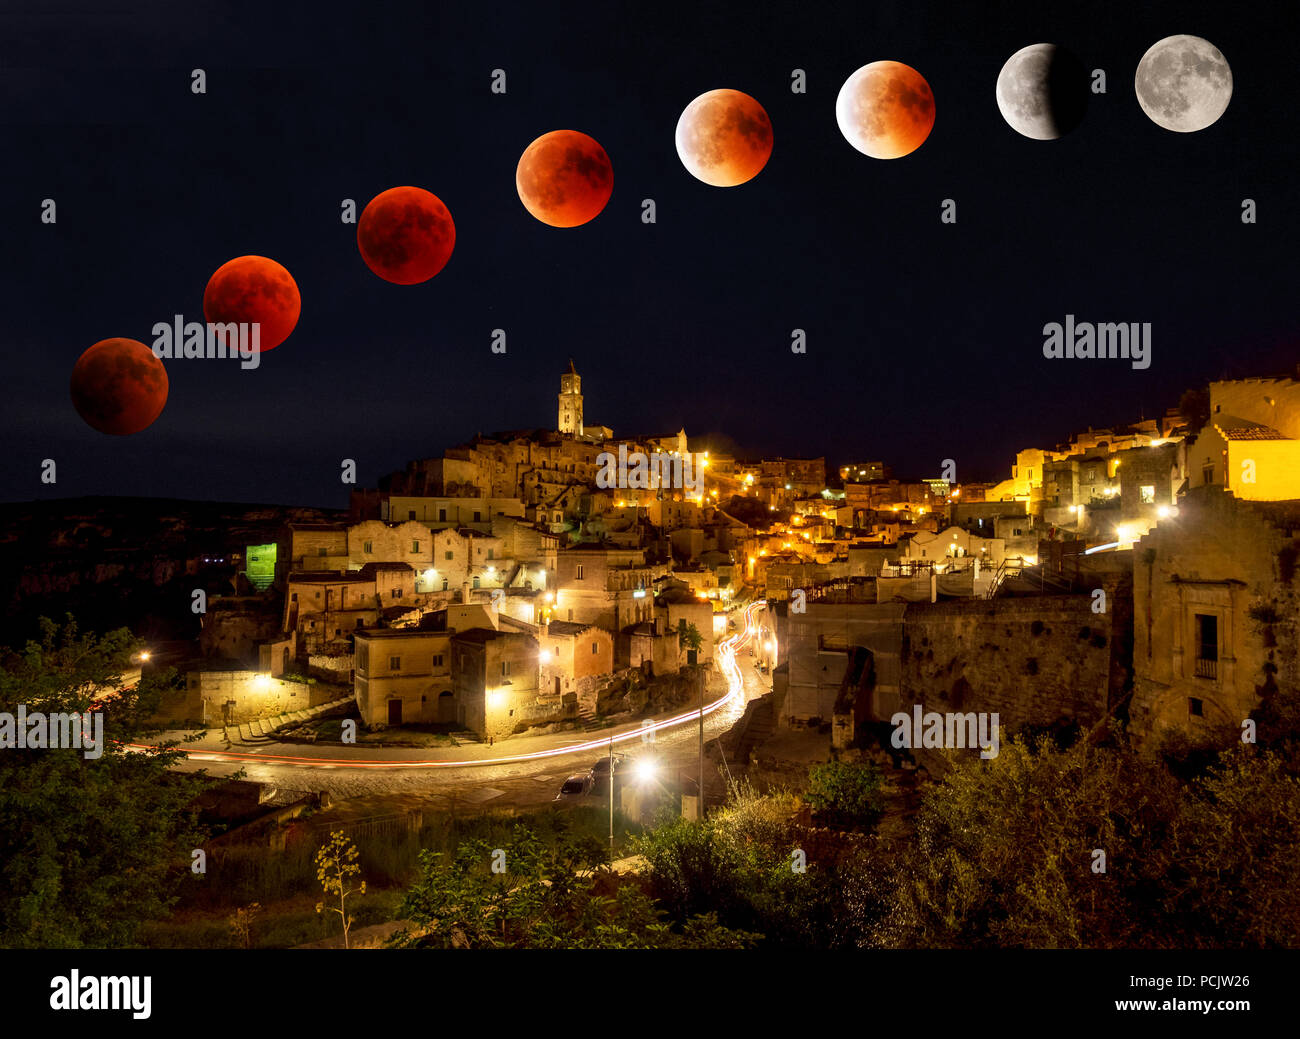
x=725, y=655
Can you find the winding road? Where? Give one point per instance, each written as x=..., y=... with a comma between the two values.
x=530, y=774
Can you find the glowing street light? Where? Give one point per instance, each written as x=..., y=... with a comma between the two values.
x=645, y=771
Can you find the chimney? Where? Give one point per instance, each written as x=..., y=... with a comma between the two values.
x=464, y=592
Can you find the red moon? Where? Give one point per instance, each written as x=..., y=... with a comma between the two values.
x=119, y=386
x=253, y=289
x=564, y=178
x=406, y=235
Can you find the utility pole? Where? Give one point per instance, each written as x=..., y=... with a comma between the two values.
x=691, y=658
x=611, y=797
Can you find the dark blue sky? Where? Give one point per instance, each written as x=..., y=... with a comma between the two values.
x=924, y=339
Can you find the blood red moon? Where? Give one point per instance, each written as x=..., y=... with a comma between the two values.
x=119, y=386
x=253, y=289
x=564, y=178
x=406, y=235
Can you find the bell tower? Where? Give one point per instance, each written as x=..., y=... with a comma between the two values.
x=571, y=402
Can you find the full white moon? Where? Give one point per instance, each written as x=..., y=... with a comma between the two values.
x=1183, y=83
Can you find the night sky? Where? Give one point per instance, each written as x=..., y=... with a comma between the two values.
x=924, y=340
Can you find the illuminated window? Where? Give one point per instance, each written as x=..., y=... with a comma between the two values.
x=1148, y=493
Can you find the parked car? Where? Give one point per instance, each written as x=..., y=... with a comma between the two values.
x=600, y=770
x=577, y=785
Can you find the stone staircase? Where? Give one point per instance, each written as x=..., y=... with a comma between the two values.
x=262, y=729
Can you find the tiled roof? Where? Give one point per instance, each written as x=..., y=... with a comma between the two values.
x=1231, y=427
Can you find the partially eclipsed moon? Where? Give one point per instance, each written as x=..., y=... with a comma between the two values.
x=885, y=109
x=1042, y=91
x=724, y=138
x=1183, y=83
x=564, y=178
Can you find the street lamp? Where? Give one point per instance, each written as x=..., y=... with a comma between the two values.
x=645, y=771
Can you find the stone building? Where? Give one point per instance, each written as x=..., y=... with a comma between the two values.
x=326, y=608
x=608, y=587
x=1215, y=613
x=576, y=659
x=570, y=409
x=403, y=675
x=819, y=645
x=374, y=541
x=496, y=676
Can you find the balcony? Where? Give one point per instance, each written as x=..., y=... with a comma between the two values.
x=1207, y=668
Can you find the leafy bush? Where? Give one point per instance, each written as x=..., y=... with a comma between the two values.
x=847, y=794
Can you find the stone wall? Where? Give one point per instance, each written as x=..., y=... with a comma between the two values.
x=332, y=668
x=1231, y=562
x=1039, y=660
x=251, y=695
x=234, y=627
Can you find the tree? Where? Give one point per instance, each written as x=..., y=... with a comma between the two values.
x=336, y=862
x=240, y=923
x=1194, y=408
x=740, y=866
x=91, y=847
x=529, y=895
x=688, y=636
x=1008, y=853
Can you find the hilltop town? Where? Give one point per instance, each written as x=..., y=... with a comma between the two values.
x=1142, y=572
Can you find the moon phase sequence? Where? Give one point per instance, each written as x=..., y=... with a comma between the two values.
x=1042, y=91
x=564, y=178
x=885, y=110
x=1183, y=83
x=724, y=138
